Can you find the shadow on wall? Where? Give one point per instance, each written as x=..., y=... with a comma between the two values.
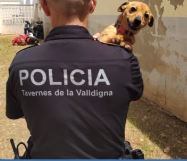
x=176, y=3
x=159, y=30
x=154, y=45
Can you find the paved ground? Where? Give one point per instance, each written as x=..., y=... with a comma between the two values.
x=155, y=132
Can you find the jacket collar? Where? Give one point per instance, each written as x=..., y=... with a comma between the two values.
x=68, y=32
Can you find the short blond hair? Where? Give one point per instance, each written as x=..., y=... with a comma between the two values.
x=71, y=7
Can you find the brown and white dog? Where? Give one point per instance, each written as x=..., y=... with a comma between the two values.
x=134, y=16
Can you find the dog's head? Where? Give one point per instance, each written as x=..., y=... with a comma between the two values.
x=136, y=15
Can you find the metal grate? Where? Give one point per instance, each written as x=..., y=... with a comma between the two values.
x=16, y=14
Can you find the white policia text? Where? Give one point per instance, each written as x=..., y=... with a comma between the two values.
x=67, y=77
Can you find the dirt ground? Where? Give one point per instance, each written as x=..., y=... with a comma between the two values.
x=158, y=134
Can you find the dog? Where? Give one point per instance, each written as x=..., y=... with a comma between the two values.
x=134, y=16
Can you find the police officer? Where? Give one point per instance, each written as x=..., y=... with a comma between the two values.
x=73, y=91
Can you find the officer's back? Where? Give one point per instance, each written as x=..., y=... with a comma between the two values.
x=74, y=93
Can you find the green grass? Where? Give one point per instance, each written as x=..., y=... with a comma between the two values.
x=7, y=52
x=8, y=129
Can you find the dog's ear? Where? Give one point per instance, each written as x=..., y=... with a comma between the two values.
x=123, y=7
x=151, y=21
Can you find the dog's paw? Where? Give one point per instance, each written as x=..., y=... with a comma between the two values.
x=96, y=36
x=127, y=46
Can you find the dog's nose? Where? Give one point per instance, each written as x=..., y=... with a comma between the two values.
x=137, y=21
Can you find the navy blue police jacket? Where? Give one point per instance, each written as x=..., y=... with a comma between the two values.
x=74, y=93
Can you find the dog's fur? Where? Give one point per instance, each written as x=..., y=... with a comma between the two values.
x=134, y=16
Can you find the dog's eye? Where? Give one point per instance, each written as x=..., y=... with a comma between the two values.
x=146, y=15
x=133, y=9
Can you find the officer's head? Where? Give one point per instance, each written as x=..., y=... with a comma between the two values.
x=68, y=11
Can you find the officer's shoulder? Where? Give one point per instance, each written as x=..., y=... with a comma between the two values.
x=117, y=49
x=25, y=50
x=22, y=54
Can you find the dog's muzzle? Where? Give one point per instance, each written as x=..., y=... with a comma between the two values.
x=135, y=25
